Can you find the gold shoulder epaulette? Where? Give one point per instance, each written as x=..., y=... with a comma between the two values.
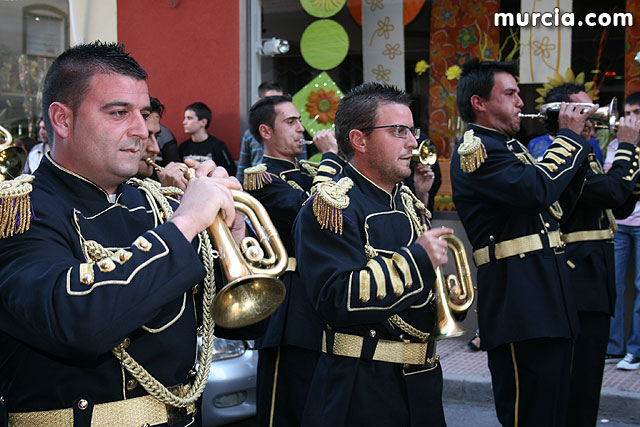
x=15, y=206
x=472, y=152
x=329, y=199
x=256, y=177
x=311, y=167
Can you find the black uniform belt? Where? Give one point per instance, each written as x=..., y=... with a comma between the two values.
x=586, y=235
x=518, y=246
x=139, y=411
x=409, y=353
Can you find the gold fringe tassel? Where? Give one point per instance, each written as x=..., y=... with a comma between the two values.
x=472, y=152
x=15, y=206
x=257, y=177
x=329, y=199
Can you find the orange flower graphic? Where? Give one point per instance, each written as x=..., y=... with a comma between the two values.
x=323, y=105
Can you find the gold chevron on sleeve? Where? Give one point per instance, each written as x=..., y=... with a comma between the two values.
x=378, y=277
x=551, y=167
x=552, y=156
x=365, y=285
x=394, y=275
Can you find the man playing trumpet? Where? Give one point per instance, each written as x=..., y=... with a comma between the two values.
x=588, y=228
x=97, y=272
x=508, y=206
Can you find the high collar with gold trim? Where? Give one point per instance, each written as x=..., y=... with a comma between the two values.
x=364, y=181
x=66, y=174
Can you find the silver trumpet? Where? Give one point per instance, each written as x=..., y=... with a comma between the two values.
x=606, y=117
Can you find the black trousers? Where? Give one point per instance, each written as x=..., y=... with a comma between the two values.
x=284, y=377
x=531, y=381
x=588, y=367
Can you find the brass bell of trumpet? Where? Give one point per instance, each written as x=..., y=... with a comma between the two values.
x=12, y=157
x=454, y=294
x=425, y=154
x=606, y=117
x=253, y=290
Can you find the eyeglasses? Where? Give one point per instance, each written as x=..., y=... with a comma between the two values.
x=400, y=131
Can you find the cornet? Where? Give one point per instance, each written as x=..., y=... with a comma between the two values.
x=605, y=117
x=454, y=294
x=12, y=157
x=253, y=290
x=425, y=154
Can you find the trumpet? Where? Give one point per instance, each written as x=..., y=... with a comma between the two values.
x=253, y=290
x=12, y=157
x=425, y=154
x=606, y=117
x=455, y=294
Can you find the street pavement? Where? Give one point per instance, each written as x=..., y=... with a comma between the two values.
x=467, y=379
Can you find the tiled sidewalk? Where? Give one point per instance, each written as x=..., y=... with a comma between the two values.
x=467, y=377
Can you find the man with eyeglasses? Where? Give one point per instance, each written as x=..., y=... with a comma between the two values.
x=366, y=266
x=508, y=205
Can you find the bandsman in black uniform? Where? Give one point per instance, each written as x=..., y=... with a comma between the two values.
x=282, y=185
x=588, y=229
x=508, y=206
x=367, y=266
x=97, y=316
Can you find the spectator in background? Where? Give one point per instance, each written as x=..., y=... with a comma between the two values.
x=202, y=146
x=250, y=148
x=576, y=93
x=626, y=241
x=38, y=151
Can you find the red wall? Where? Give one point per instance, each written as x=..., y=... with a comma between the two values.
x=191, y=53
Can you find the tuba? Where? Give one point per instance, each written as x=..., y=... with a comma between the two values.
x=12, y=157
x=253, y=290
x=425, y=154
x=454, y=294
x=606, y=117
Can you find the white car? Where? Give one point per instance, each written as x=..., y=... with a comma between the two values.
x=230, y=394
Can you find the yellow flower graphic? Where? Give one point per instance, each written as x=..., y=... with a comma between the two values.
x=453, y=72
x=543, y=47
x=382, y=74
x=421, y=67
x=375, y=4
x=384, y=29
x=392, y=50
x=323, y=105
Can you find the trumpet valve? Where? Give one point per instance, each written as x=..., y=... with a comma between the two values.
x=251, y=250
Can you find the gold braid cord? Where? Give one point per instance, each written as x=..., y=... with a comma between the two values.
x=15, y=206
x=407, y=328
x=525, y=157
x=597, y=169
x=411, y=205
x=161, y=207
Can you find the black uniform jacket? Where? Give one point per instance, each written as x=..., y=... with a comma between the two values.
x=527, y=295
x=63, y=311
x=591, y=262
x=351, y=292
x=282, y=196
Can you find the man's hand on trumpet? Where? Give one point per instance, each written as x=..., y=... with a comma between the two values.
x=435, y=247
x=574, y=117
x=629, y=130
x=173, y=176
x=206, y=195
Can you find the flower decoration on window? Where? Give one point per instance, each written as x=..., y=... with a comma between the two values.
x=323, y=105
x=454, y=72
x=421, y=67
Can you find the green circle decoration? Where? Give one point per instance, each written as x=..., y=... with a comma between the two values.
x=322, y=8
x=324, y=44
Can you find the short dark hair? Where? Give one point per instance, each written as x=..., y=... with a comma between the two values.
x=559, y=93
x=359, y=110
x=267, y=86
x=632, y=99
x=201, y=110
x=69, y=76
x=156, y=106
x=477, y=79
x=264, y=112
